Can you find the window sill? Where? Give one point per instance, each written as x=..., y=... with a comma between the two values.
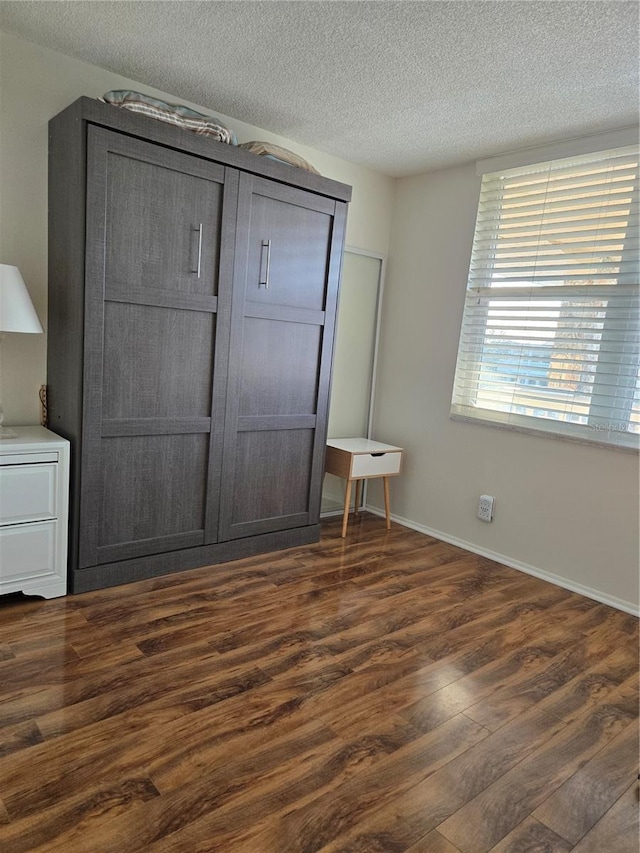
x=545, y=433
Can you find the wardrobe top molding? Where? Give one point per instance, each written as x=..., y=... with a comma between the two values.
x=91, y=111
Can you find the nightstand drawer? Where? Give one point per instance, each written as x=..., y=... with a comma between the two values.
x=375, y=464
x=28, y=492
x=27, y=552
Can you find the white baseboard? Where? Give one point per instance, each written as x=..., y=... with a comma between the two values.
x=558, y=580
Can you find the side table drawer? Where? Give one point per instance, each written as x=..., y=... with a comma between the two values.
x=375, y=464
x=28, y=492
x=28, y=552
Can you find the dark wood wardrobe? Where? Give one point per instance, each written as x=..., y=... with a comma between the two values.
x=192, y=300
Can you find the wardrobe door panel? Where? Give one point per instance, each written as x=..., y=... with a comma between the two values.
x=153, y=489
x=288, y=252
x=279, y=367
x=285, y=288
x=270, y=486
x=157, y=306
x=143, y=379
x=145, y=247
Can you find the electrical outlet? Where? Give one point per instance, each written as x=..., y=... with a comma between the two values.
x=485, y=507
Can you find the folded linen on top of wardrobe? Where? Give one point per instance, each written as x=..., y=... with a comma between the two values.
x=175, y=114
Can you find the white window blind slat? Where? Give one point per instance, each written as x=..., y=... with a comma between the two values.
x=591, y=185
x=490, y=218
x=550, y=337
x=512, y=210
x=524, y=251
x=588, y=187
x=592, y=233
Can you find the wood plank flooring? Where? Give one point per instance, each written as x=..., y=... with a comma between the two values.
x=385, y=692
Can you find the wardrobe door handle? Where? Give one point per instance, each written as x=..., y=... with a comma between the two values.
x=199, y=249
x=198, y=231
x=264, y=279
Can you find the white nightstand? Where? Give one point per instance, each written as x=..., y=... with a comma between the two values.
x=34, y=509
x=361, y=459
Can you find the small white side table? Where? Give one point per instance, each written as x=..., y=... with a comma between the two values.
x=34, y=510
x=361, y=459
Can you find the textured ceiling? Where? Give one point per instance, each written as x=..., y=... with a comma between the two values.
x=401, y=87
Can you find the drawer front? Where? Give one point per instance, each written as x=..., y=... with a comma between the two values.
x=28, y=458
x=27, y=493
x=376, y=465
x=27, y=551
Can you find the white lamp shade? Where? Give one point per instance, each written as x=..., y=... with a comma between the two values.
x=17, y=313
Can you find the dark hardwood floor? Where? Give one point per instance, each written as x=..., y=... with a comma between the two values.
x=386, y=692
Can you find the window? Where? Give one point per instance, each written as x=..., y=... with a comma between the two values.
x=550, y=332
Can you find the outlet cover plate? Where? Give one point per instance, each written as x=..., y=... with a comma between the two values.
x=485, y=507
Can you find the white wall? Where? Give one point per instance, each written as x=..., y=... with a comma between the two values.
x=562, y=508
x=35, y=85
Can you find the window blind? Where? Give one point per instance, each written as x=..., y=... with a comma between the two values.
x=551, y=324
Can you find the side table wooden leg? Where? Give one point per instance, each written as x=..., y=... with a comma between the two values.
x=387, y=510
x=347, y=501
x=358, y=485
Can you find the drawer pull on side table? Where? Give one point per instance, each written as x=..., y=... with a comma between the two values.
x=362, y=459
